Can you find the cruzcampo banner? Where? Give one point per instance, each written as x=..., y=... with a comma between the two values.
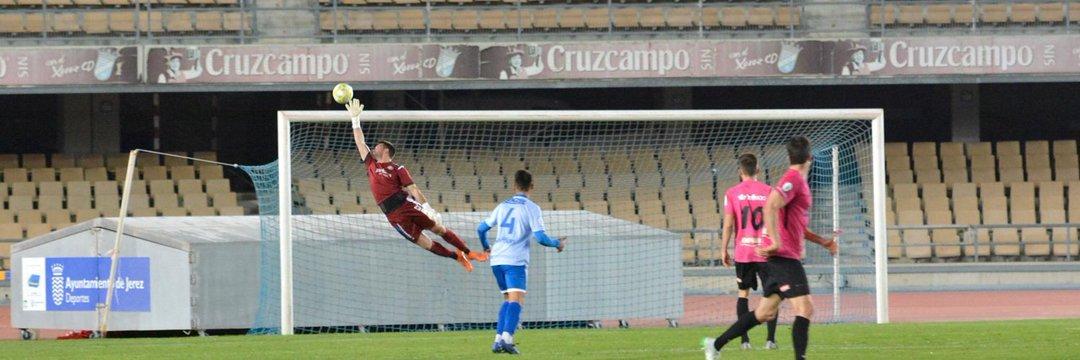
x=69, y=66
x=647, y=59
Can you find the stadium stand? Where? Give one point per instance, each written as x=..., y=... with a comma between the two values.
x=904, y=14
x=41, y=194
x=1011, y=190
x=493, y=17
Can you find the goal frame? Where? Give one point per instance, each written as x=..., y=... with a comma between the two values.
x=876, y=117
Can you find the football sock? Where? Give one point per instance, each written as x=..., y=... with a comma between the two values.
x=453, y=239
x=772, y=328
x=742, y=306
x=513, y=312
x=499, y=326
x=438, y=249
x=746, y=322
x=800, y=335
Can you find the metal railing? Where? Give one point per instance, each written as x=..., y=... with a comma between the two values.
x=921, y=17
x=969, y=238
x=429, y=21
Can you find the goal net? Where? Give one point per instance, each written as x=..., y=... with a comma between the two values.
x=636, y=193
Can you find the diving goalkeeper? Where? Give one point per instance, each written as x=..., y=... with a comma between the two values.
x=400, y=199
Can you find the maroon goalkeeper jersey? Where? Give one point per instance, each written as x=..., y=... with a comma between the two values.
x=387, y=179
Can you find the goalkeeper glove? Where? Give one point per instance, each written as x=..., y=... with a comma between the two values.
x=355, y=108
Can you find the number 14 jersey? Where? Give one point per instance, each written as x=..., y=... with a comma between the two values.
x=746, y=203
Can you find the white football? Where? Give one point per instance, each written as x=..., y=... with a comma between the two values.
x=342, y=93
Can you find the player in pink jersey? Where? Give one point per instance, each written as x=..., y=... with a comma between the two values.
x=744, y=218
x=787, y=208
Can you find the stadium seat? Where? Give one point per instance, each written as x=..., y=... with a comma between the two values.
x=710, y=17
x=143, y=212
x=96, y=174
x=162, y=187
x=910, y=15
x=1010, y=168
x=571, y=18
x=23, y=189
x=1023, y=13
x=964, y=14
x=221, y=200
x=33, y=23
x=10, y=23
x=882, y=15
x=734, y=16
x=165, y=200
x=204, y=21
x=27, y=217
x=466, y=20
x=761, y=16
x=64, y=22
x=82, y=215
x=597, y=18
x=42, y=175
x=79, y=202
x=58, y=218
x=35, y=230
x=195, y=201
x=681, y=17
x=179, y=22
x=492, y=20
x=210, y=172
x=652, y=17
x=993, y=13
x=939, y=14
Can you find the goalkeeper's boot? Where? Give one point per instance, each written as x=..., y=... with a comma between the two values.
x=747, y=346
x=497, y=347
x=770, y=345
x=464, y=261
x=510, y=349
x=478, y=255
x=710, y=350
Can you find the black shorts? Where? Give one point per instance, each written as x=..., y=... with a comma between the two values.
x=786, y=278
x=747, y=274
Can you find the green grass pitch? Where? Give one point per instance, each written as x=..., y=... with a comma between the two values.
x=1039, y=339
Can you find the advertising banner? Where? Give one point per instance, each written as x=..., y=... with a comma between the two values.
x=69, y=66
x=983, y=55
x=644, y=59
x=80, y=283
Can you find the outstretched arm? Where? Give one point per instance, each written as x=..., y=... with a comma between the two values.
x=481, y=232
x=829, y=244
x=355, y=108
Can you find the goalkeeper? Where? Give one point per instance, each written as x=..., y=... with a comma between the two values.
x=401, y=200
x=518, y=219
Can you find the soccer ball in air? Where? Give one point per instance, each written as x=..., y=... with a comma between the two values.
x=342, y=93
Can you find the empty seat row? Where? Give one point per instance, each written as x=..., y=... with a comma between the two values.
x=568, y=17
x=123, y=21
x=34, y=161
x=966, y=14
x=42, y=175
x=983, y=204
x=117, y=3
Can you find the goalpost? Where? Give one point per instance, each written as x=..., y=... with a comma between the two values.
x=644, y=177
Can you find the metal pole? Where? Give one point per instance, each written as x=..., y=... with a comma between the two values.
x=836, y=229
x=129, y=176
x=285, y=223
x=881, y=258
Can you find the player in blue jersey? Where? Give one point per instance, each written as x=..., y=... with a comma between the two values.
x=518, y=220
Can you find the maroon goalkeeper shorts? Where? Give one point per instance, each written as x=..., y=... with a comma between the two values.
x=409, y=221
